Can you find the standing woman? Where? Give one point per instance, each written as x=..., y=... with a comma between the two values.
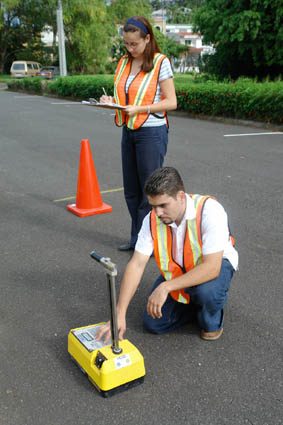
x=144, y=83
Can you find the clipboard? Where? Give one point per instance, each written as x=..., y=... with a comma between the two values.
x=93, y=102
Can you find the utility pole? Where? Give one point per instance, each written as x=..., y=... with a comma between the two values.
x=61, y=40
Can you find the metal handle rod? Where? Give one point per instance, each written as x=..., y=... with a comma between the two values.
x=111, y=272
x=114, y=327
x=106, y=262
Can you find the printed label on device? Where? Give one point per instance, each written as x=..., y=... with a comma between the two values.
x=87, y=336
x=122, y=361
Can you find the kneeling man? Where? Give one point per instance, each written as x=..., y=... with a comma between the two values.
x=193, y=248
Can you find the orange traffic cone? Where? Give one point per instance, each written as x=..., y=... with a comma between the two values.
x=88, y=200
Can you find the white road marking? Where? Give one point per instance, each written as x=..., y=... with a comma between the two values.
x=65, y=103
x=276, y=133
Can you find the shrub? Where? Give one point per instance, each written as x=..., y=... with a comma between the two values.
x=242, y=100
x=27, y=84
x=32, y=84
x=197, y=94
x=82, y=87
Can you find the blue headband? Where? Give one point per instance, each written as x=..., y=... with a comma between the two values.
x=138, y=24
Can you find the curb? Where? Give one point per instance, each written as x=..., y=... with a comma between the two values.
x=228, y=121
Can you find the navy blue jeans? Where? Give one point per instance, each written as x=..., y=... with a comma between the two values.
x=143, y=151
x=206, y=305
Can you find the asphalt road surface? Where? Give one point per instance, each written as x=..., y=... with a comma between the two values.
x=49, y=283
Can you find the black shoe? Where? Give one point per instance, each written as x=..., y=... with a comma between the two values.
x=126, y=247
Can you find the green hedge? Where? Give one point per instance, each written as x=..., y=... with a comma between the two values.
x=198, y=95
x=242, y=100
x=82, y=87
x=33, y=85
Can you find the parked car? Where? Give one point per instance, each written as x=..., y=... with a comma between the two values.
x=48, y=72
x=21, y=69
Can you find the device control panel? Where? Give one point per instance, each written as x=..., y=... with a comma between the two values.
x=87, y=336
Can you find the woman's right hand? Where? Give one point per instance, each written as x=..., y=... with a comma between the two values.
x=107, y=99
x=105, y=331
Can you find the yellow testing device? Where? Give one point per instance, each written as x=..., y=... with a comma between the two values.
x=110, y=367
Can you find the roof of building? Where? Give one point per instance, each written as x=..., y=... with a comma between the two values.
x=183, y=33
x=195, y=49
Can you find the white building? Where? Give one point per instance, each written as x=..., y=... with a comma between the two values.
x=183, y=33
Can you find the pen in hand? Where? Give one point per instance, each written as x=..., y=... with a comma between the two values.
x=105, y=98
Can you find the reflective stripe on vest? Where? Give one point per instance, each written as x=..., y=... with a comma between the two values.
x=192, y=253
x=141, y=91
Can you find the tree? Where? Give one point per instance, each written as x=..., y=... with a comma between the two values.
x=120, y=10
x=177, y=11
x=87, y=32
x=7, y=26
x=156, y=4
x=179, y=14
x=21, y=24
x=93, y=42
x=247, y=35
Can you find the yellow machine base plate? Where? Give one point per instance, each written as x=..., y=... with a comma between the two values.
x=107, y=371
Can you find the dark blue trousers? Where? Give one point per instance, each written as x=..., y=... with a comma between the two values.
x=206, y=305
x=143, y=151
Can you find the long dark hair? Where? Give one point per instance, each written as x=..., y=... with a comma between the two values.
x=151, y=47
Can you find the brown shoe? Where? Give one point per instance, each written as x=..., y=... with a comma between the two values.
x=211, y=336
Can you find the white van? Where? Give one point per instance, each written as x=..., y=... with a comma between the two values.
x=20, y=69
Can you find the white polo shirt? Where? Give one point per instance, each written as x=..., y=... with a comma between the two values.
x=215, y=233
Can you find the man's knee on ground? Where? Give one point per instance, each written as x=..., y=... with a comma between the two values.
x=152, y=325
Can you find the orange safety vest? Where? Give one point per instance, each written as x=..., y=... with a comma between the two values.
x=141, y=91
x=192, y=253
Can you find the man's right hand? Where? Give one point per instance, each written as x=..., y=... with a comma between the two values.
x=130, y=282
x=105, y=331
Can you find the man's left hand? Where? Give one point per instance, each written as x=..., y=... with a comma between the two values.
x=156, y=301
